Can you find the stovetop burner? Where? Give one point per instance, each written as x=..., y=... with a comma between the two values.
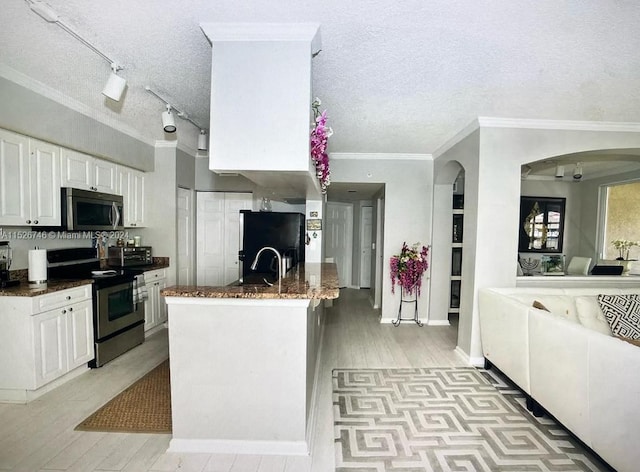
x=83, y=263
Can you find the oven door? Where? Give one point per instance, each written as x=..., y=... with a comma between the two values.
x=115, y=309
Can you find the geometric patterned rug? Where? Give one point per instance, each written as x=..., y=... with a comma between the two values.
x=445, y=419
x=144, y=407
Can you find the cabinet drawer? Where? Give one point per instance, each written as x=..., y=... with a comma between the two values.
x=157, y=274
x=61, y=298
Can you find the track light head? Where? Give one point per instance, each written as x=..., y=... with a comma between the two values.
x=203, y=141
x=168, y=121
x=115, y=85
x=559, y=171
x=577, y=172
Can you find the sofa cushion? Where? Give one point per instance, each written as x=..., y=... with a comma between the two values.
x=622, y=313
x=590, y=315
x=562, y=305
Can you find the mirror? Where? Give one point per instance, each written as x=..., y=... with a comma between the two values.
x=541, y=224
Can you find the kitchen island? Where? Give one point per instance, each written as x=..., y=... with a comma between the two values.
x=243, y=363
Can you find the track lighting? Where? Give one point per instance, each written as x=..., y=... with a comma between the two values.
x=115, y=84
x=168, y=121
x=202, y=140
x=577, y=172
x=559, y=171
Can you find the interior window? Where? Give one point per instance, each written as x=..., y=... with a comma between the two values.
x=622, y=206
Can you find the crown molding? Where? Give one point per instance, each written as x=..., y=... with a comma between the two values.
x=68, y=102
x=379, y=156
x=561, y=125
x=217, y=32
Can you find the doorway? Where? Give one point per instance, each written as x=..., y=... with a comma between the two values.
x=339, y=242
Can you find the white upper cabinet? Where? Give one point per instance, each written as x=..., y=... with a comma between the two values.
x=87, y=172
x=14, y=178
x=44, y=170
x=29, y=181
x=131, y=187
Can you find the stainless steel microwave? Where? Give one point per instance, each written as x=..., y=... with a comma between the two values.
x=84, y=210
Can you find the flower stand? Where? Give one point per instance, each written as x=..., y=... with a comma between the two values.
x=408, y=296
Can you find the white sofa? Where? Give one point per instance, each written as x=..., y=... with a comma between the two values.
x=567, y=361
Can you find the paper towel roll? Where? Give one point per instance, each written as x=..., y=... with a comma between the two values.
x=37, y=267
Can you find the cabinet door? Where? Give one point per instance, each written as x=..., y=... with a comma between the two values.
x=104, y=176
x=131, y=187
x=76, y=169
x=137, y=200
x=44, y=183
x=160, y=303
x=14, y=179
x=150, y=307
x=50, y=338
x=80, y=334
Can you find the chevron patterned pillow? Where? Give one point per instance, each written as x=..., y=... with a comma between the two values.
x=622, y=313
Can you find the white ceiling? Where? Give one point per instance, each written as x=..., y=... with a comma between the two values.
x=395, y=76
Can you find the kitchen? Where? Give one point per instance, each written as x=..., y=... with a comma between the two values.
x=136, y=186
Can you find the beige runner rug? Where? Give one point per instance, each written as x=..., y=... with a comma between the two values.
x=144, y=407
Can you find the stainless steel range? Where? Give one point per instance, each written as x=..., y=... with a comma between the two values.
x=118, y=321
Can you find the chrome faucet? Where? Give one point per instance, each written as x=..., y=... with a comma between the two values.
x=254, y=265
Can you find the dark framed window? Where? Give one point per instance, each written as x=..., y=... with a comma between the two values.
x=541, y=225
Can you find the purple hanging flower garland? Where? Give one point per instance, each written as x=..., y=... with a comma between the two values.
x=408, y=266
x=320, y=134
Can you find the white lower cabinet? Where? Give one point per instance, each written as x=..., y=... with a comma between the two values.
x=42, y=345
x=155, y=308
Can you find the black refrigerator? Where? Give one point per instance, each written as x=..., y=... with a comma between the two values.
x=282, y=231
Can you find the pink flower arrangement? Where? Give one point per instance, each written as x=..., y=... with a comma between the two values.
x=320, y=134
x=408, y=266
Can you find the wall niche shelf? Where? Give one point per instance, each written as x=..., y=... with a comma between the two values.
x=457, y=231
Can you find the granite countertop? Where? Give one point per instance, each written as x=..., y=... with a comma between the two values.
x=23, y=289
x=305, y=281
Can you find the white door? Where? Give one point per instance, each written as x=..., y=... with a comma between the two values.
x=210, y=224
x=234, y=202
x=366, y=228
x=378, y=264
x=339, y=234
x=186, y=241
x=44, y=170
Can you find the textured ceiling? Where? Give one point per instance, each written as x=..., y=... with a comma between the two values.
x=395, y=76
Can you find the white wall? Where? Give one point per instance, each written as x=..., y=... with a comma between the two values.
x=260, y=96
x=408, y=183
x=492, y=197
x=33, y=109
x=162, y=208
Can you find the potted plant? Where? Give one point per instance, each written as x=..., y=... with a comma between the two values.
x=407, y=268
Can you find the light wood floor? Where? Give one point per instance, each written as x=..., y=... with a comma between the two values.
x=39, y=436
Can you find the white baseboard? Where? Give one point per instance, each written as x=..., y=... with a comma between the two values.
x=26, y=396
x=227, y=446
x=438, y=323
x=472, y=361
